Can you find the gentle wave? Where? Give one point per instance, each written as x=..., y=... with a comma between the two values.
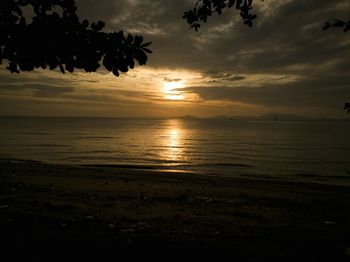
x=37, y=146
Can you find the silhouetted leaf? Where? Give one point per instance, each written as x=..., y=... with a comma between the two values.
x=12, y=67
x=326, y=26
x=138, y=40
x=62, y=69
x=147, y=50
x=347, y=107
x=85, y=23
x=69, y=68
x=146, y=44
x=115, y=71
x=141, y=57
x=129, y=39
x=131, y=62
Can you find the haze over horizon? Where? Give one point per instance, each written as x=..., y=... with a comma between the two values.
x=285, y=64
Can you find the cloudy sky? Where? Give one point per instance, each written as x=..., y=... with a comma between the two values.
x=284, y=64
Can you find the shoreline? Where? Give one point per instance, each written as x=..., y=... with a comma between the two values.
x=337, y=180
x=111, y=209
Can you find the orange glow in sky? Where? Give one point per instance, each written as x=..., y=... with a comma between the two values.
x=171, y=90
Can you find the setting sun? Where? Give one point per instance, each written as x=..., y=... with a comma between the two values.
x=170, y=86
x=171, y=90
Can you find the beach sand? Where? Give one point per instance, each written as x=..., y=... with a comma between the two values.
x=52, y=211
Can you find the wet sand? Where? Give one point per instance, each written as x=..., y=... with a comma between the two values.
x=61, y=211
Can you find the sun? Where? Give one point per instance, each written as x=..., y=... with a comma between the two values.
x=169, y=86
x=172, y=90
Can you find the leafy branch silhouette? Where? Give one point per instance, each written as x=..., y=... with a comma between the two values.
x=338, y=23
x=205, y=8
x=56, y=38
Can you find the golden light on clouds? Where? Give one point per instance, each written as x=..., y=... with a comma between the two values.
x=145, y=92
x=172, y=90
x=174, y=97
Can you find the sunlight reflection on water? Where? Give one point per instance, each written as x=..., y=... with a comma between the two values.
x=173, y=141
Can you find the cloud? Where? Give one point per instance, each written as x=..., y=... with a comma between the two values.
x=317, y=92
x=38, y=89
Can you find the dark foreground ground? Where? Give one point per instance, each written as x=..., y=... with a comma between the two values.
x=51, y=212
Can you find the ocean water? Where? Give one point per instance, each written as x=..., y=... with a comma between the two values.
x=287, y=150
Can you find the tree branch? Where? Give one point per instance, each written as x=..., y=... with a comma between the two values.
x=61, y=40
x=205, y=8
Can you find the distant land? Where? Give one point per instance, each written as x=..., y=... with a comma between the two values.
x=268, y=117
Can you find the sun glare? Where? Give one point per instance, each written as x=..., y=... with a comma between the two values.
x=174, y=97
x=172, y=90
x=169, y=86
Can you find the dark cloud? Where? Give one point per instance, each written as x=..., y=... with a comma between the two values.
x=221, y=76
x=236, y=78
x=167, y=79
x=37, y=89
x=105, y=10
x=305, y=93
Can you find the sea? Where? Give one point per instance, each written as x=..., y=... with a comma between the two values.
x=294, y=150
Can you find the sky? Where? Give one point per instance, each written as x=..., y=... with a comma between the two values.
x=284, y=64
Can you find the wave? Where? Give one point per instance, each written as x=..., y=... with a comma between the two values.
x=37, y=145
x=126, y=166
x=96, y=137
x=37, y=133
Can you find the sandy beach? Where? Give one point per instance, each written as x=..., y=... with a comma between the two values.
x=100, y=211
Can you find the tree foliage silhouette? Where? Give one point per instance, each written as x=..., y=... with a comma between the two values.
x=57, y=38
x=345, y=25
x=206, y=8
